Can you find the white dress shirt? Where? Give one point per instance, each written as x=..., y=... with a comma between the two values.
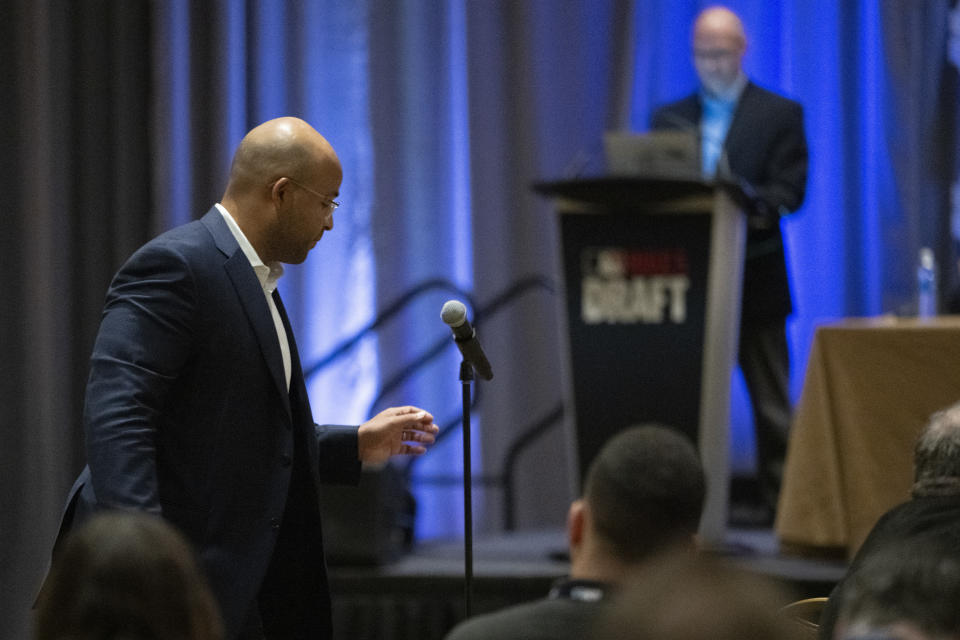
x=715, y=123
x=268, y=276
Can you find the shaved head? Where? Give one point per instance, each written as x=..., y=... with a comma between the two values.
x=722, y=22
x=283, y=183
x=281, y=147
x=719, y=43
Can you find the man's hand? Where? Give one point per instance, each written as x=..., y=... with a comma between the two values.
x=398, y=430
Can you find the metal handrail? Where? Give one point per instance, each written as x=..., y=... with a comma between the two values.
x=392, y=309
x=505, y=479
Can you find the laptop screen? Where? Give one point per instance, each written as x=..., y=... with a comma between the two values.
x=658, y=154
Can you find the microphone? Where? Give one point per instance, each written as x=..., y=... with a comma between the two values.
x=454, y=315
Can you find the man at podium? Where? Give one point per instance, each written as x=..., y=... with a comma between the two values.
x=755, y=137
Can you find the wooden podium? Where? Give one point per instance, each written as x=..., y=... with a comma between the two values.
x=652, y=272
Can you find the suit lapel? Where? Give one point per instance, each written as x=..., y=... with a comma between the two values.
x=294, y=355
x=251, y=297
x=744, y=105
x=298, y=389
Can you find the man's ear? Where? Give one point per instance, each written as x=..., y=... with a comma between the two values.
x=575, y=523
x=280, y=191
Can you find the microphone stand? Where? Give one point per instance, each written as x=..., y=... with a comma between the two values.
x=454, y=315
x=466, y=377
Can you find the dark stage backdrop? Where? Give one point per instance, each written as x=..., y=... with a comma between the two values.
x=75, y=147
x=119, y=116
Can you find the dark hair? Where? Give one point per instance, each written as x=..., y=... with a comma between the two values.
x=682, y=596
x=936, y=455
x=915, y=582
x=645, y=490
x=130, y=576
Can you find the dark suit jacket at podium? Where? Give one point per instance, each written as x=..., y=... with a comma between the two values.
x=187, y=415
x=765, y=146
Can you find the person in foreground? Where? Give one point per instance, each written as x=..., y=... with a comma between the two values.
x=130, y=576
x=906, y=591
x=756, y=138
x=931, y=517
x=684, y=597
x=643, y=494
x=196, y=408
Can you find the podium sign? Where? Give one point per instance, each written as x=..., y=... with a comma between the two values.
x=652, y=272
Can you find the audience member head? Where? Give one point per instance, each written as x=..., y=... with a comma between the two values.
x=905, y=591
x=687, y=597
x=284, y=180
x=936, y=456
x=644, y=492
x=719, y=43
x=126, y=576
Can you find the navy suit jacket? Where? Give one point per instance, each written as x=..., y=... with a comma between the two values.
x=765, y=146
x=187, y=416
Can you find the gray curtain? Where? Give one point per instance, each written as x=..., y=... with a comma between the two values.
x=546, y=80
x=76, y=187
x=473, y=103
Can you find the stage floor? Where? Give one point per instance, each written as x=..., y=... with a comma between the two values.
x=421, y=594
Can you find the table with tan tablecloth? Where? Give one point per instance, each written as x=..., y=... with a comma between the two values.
x=870, y=386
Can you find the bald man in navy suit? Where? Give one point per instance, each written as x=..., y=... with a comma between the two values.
x=757, y=138
x=196, y=407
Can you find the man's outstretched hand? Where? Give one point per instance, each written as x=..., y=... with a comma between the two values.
x=398, y=430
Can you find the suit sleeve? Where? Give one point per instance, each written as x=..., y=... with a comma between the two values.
x=784, y=189
x=337, y=453
x=145, y=337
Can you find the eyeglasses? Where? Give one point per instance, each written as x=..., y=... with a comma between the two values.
x=714, y=55
x=330, y=204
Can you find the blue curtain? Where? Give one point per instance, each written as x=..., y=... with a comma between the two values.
x=421, y=229
x=445, y=112
x=249, y=62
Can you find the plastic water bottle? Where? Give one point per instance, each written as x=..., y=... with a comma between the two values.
x=926, y=284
